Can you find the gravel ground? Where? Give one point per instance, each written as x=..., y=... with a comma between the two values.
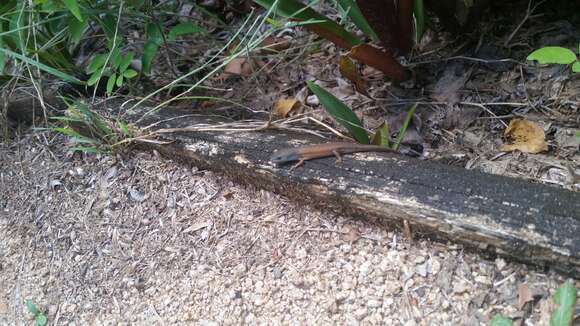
x=139, y=240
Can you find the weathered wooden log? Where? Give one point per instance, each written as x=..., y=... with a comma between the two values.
x=530, y=223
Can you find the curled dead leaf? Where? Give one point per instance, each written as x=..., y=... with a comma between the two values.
x=284, y=106
x=527, y=137
x=349, y=70
x=274, y=44
x=524, y=295
x=241, y=66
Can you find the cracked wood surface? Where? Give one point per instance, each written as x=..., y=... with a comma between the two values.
x=532, y=223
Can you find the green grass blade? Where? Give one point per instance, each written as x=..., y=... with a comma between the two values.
x=403, y=129
x=565, y=297
x=295, y=10
x=73, y=7
x=354, y=13
x=342, y=113
x=419, y=13
x=381, y=136
x=42, y=66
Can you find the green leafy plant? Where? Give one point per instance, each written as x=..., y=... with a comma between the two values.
x=39, y=317
x=113, y=65
x=556, y=55
x=348, y=119
x=565, y=297
x=499, y=320
x=93, y=132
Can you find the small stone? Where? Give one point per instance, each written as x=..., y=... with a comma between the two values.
x=483, y=280
x=421, y=270
x=277, y=273
x=372, y=303
x=365, y=268
x=3, y=307
x=360, y=314
x=460, y=287
x=500, y=264
x=419, y=260
x=435, y=266
x=312, y=100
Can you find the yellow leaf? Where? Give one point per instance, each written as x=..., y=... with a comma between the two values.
x=348, y=70
x=283, y=106
x=527, y=136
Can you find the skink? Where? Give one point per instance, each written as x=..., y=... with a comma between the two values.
x=310, y=152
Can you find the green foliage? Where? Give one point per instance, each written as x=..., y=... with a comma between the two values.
x=297, y=10
x=184, y=29
x=565, y=297
x=95, y=132
x=405, y=125
x=381, y=136
x=348, y=119
x=353, y=12
x=113, y=65
x=499, y=320
x=556, y=55
x=420, y=19
x=47, y=35
x=39, y=317
x=340, y=112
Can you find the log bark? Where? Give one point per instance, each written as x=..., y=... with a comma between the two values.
x=531, y=223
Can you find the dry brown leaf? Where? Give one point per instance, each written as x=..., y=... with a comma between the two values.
x=284, y=106
x=274, y=44
x=352, y=235
x=241, y=66
x=527, y=137
x=348, y=70
x=379, y=59
x=524, y=295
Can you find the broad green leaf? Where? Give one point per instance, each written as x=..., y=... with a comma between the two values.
x=405, y=125
x=184, y=29
x=565, y=298
x=32, y=307
x=94, y=78
x=130, y=73
x=154, y=34
x=342, y=113
x=76, y=29
x=354, y=13
x=149, y=53
x=73, y=7
x=419, y=13
x=325, y=27
x=108, y=24
x=40, y=320
x=124, y=128
x=2, y=59
x=83, y=149
x=111, y=83
x=381, y=136
x=97, y=63
x=119, y=81
x=126, y=61
x=42, y=66
x=499, y=320
x=575, y=66
x=553, y=54
x=116, y=57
